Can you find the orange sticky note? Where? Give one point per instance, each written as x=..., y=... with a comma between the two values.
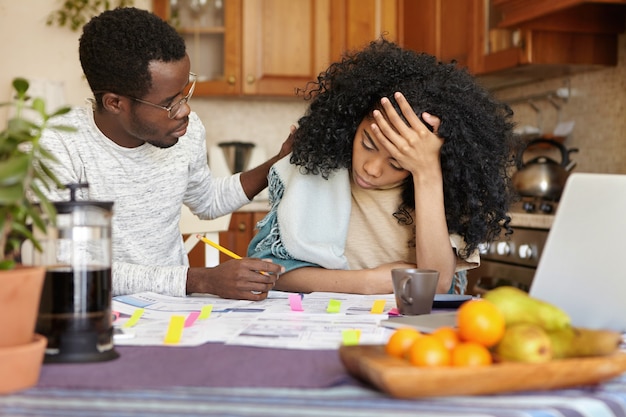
x=175, y=329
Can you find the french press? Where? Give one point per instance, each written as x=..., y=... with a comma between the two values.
x=75, y=308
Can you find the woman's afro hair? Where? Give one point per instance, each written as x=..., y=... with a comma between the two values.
x=477, y=130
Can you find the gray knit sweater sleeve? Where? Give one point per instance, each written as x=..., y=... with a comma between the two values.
x=133, y=278
x=148, y=186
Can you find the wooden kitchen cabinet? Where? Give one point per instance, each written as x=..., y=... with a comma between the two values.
x=509, y=42
x=213, y=40
x=272, y=47
x=438, y=27
x=285, y=44
x=543, y=39
x=258, y=47
x=240, y=232
x=355, y=23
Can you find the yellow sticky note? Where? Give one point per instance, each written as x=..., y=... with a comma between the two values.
x=134, y=318
x=175, y=329
x=334, y=306
x=378, y=307
x=351, y=336
x=205, y=312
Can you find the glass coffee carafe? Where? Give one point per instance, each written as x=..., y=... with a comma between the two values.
x=75, y=309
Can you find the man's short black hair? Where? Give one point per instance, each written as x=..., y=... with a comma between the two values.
x=117, y=46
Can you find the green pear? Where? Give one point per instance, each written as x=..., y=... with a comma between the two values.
x=519, y=307
x=575, y=342
x=524, y=343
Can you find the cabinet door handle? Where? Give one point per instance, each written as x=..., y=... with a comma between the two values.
x=250, y=79
x=231, y=80
x=242, y=227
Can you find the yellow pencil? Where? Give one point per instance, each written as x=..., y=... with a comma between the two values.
x=218, y=247
x=223, y=250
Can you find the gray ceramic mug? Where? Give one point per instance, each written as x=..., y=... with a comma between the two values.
x=414, y=290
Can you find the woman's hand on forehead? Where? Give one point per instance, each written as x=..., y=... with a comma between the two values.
x=413, y=145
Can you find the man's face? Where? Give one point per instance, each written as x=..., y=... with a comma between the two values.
x=147, y=120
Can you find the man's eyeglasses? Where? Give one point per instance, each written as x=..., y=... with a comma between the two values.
x=174, y=109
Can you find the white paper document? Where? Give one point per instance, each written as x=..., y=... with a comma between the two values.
x=145, y=319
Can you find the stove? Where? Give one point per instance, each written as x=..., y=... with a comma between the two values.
x=512, y=260
x=534, y=206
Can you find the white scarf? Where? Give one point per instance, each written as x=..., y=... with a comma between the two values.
x=313, y=215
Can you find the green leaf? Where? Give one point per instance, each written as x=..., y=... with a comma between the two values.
x=20, y=85
x=21, y=127
x=38, y=221
x=46, y=206
x=12, y=194
x=62, y=110
x=21, y=229
x=14, y=170
x=40, y=107
x=47, y=155
x=62, y=128
x=50, y=180
x=7, y=264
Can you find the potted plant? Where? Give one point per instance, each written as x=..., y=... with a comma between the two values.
x=24, y=210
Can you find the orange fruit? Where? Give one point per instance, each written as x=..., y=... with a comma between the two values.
x=400, y=341
x=471, y=354
x=429, y=351
x=480, y=321
x=447, y=335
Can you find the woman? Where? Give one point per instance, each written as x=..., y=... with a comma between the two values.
x=400, y=161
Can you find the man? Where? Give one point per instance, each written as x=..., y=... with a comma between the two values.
x=142, y=148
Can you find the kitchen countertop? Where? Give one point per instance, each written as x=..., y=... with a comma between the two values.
x=531, y=220
x=518, y=219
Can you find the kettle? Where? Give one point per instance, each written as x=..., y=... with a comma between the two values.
x=541, y=176
x=237, y=154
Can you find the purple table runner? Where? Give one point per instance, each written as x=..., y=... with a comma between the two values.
x=208, y=365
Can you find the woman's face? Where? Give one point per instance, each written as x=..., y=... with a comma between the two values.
x=372, y=166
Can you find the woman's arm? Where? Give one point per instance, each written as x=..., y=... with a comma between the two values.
x=432, y=241
x=417, y=150
x=363, y=281
x=254, y=180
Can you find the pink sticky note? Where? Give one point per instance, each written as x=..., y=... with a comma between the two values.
x=295, y=301
x=393, y=312
x=191, y=318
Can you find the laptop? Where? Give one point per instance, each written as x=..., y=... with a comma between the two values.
x=582, y=268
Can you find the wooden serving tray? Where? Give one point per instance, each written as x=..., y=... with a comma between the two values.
x=398, y=378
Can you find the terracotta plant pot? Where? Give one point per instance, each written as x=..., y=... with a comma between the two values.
x=20, y=293
x=20, y=365
x=21, y=350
